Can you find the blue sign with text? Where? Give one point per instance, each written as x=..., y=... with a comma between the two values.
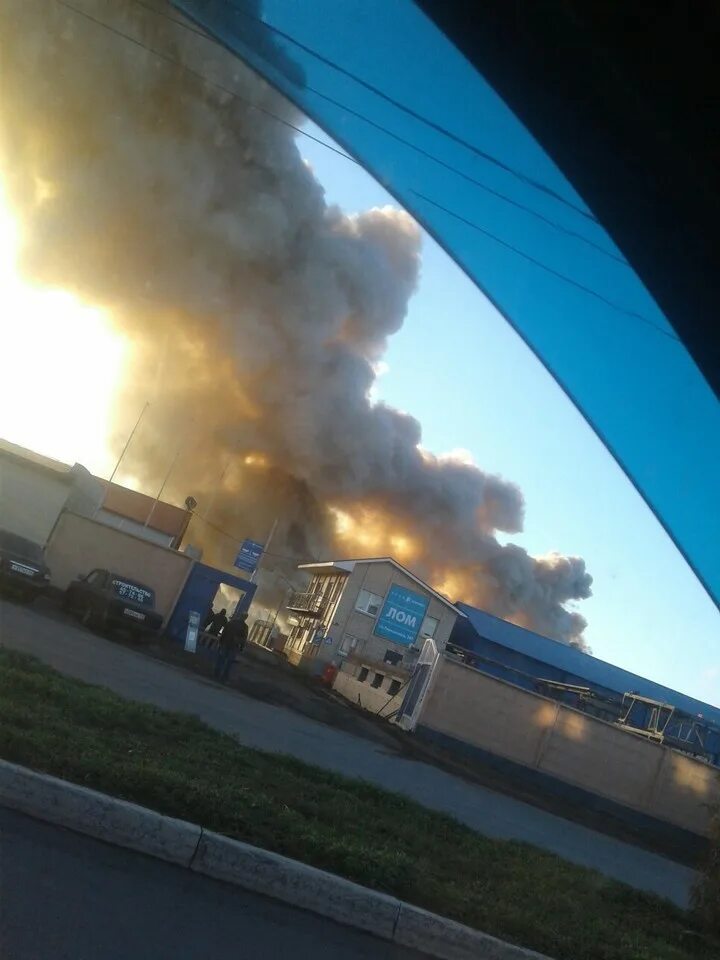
x=402, y=615
x=248, y=555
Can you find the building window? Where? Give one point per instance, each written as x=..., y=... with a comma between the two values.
x=347, y=644
x=369, y=603
x=392, y=657
x=429, y=626
x=378, y=680
x=363, y=675
x=394, y=687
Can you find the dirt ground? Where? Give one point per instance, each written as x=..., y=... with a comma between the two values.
x=266, y=676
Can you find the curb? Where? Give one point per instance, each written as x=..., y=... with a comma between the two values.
x=260, y=871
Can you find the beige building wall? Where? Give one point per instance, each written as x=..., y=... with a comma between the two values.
x=376, y=577
x=30, y=498
x=79, y=545
x=549, y=737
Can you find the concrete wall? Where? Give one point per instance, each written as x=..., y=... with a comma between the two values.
x=555, y=740
x=31, y=498
x=371, y=698
x=79, y=545
x=133, y=527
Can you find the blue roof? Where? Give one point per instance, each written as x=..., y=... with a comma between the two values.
x=579, y=664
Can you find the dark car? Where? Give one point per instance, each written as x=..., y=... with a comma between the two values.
x=23, y=571
x=109, y=601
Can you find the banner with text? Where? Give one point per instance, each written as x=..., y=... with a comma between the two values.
x=402, y=615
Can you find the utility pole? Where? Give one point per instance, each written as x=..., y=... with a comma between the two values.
x=124, y=451
x=265, y=548
x=162, y=486
x=213, y=495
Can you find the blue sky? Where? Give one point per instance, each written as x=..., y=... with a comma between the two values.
x=648, y=613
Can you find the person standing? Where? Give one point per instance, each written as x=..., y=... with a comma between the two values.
x=215, y=622
x=232, y=639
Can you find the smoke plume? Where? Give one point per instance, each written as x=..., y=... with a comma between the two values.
x=256, y=311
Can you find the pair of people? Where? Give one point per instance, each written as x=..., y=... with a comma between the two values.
x=231, y=640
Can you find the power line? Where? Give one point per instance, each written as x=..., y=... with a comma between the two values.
x=478, y=183
x=551, y=270
x=237, y=539
x=203, y=78
x=438, y=128
x=526, y=256
x=413, y=146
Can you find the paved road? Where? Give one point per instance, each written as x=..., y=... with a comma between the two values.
x=68, y=897
x=81, y=654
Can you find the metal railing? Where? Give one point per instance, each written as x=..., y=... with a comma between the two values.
x=307, y=604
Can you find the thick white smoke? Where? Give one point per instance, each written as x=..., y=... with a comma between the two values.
x=256, y=310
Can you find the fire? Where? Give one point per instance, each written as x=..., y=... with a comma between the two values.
x=258, y=460
x=358, y=533
x=61, y=362
x=368, y=533
x=455, y=585
x=365, y=532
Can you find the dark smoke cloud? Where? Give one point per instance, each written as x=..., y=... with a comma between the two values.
x=255, y=310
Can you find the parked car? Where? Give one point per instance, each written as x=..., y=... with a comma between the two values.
x=23, y=571
x=104, y=600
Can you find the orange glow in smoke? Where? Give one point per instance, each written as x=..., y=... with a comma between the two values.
x=366, y=533
x=258, y=460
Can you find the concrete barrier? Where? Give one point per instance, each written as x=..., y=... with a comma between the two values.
x=213, y=855
x=296, y=883
x=97, y=815
x=425, y=931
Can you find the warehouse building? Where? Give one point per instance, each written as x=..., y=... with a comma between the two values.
x=85, y=523
x=34, y=490
x=600, y=689
x=557, y=752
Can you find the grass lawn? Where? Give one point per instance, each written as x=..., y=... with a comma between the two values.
x=175, y=764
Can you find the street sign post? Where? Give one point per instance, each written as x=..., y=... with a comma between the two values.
x=248, y=555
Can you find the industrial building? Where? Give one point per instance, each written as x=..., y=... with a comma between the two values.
x=368, y=619
x=85, y=523
x=586, y=683
x=36, y=489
